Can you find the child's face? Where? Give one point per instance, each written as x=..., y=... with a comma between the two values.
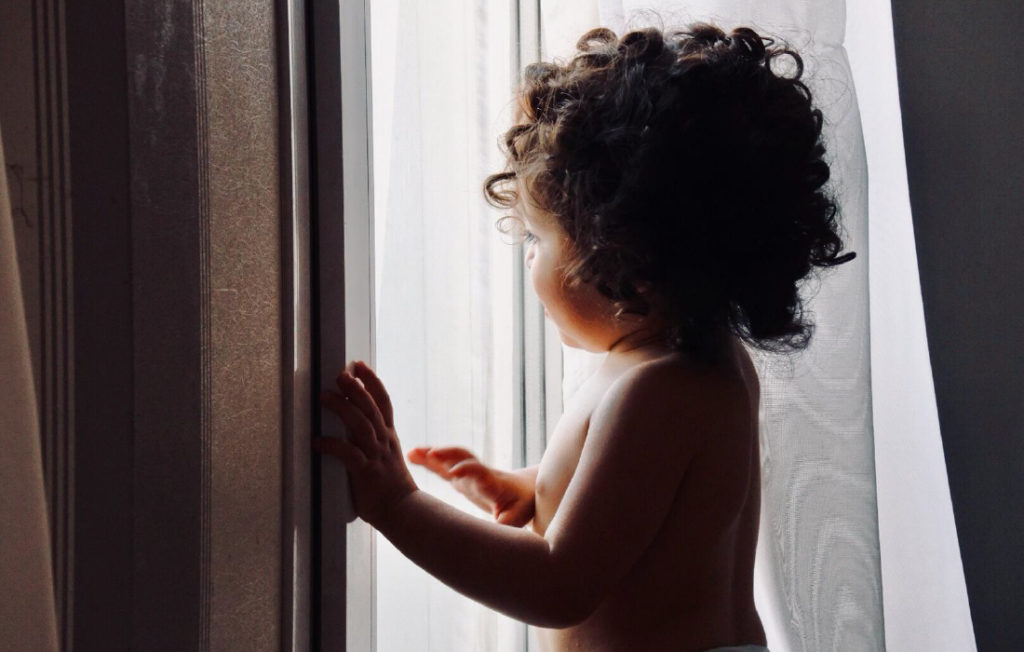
x=585, y=319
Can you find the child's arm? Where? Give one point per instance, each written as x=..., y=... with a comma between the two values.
x=632, y=462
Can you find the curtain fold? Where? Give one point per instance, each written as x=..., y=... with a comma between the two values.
x=27, y=615
x=926, y=605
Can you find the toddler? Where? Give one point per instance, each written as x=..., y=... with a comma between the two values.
x=669, y=189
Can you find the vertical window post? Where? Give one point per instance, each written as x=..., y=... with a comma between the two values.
x=343, y=312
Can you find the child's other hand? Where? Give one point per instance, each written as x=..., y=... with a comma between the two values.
x=372, y=453
x=509, y=497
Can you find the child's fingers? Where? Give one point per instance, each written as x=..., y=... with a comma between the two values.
x=517, y=516
x=337, y=447
x=418, y=455
x=440, y=460
x=469, y=468
x=482, y=477
x=449, y=454
x=362, y=400
x=507, y=517
x=443, y=460
x=376, y=389
x=421, y=457
x=359, y=429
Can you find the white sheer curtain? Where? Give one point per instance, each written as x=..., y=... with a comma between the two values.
x=863, y=390
x=27, y=615
x=923, y=585
x=442, y=86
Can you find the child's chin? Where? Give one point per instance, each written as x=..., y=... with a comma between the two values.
x=570, y=342
x=566, y=340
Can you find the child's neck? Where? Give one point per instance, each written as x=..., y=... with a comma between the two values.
x=650, y=343
x=639, y=344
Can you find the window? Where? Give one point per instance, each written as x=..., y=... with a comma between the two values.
x=445, y=337
x=438, y=287
x=433, y=296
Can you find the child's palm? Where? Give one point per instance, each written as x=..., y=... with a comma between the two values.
x=508, y=497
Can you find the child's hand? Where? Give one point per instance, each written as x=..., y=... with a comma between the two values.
x=372, y=453
x=509, y=497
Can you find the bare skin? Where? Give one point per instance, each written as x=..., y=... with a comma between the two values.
x=692, y=587
x=643, y=511
x=669, y=600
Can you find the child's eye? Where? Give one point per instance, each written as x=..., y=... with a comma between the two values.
x=529, y=237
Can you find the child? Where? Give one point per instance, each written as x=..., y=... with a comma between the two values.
x=670, y=188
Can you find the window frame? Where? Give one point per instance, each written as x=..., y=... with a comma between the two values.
x=341, y=191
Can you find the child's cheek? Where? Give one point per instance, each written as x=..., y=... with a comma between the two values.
x=544, y=293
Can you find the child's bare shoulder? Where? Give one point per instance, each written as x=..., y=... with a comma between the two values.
x=667, y=393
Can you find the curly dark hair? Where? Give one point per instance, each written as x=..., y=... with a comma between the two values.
x=689, y=174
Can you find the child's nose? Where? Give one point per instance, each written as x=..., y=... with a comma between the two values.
x=529, y=257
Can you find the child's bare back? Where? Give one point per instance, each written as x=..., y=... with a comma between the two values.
x=691, y=588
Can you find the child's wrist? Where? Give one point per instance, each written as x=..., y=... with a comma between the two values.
x=393, y=515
